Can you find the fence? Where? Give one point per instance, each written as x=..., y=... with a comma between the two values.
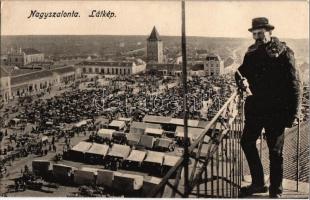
x=215, y=160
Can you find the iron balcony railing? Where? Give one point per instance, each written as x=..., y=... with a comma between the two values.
x=215, y=159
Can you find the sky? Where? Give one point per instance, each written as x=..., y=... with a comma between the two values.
x=203, y=18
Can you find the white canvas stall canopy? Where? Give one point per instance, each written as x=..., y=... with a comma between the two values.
x=105, y=133
x=178, y=121
x=127, y=120
x=62, y=172
x=85, y=176
x=117, y=125
x=29, y=127
x=147, y=141
x=97, y=151
x=154, y=157
x=119, y=151
x=136, y=156
x=44, y=139
x=49, y=123
x=149, y=183
x=163, y=143
x=78, y=151
x=16, y=120
x=193, y=133
x=127, y=182
x=101, y=122
x=139, y=127
x=133, y=138
x=105, y=177
x=170, y=160
x=156, y=119
x=80, y=124
x=154, y=132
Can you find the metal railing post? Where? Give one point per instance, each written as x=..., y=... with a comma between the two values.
x=297, y=155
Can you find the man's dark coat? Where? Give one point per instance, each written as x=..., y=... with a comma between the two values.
x=274, y=82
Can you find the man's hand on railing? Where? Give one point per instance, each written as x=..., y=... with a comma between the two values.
x=244, y=86
x=292, y=123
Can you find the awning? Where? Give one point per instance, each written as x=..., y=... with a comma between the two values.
x=133, y=138
x=191, y=123
x=163, y=142
x=147, y=141
x=105, y=133
x=118, y=124
x=170, y=160
x=154, y=157
x=98, y=149
x=119, y=151
x=193, y=133
x=127, y=182
x=136, y=156
x=153, y=131
x=44, y=138
x=81, y=123
x=82, y=147
x=125, y=119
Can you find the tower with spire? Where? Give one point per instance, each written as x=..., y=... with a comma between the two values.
x=155, y=47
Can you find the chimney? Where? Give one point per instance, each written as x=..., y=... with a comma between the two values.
x=20, y=50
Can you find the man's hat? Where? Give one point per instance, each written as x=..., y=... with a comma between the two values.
x=261, y=22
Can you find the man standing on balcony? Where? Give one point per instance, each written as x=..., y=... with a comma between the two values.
x=269, y=72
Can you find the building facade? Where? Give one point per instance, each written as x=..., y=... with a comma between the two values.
x=23, y=57
x=155, y=52
x=111, y=67
x=24, y=82
x=213, y=65
x=5, y=86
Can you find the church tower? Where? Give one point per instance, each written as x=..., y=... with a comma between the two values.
x=155, y=48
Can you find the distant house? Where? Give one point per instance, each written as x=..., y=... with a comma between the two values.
x=5, y=85
x=23, y=57
x=25, y=81
x=213, y=65
x=111, y=67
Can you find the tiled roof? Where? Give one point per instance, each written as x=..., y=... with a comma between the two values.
x=63, y=70
x=106, y=63
x=30, y=51
x=154, y=35
x=213, y=57
x=30, y=76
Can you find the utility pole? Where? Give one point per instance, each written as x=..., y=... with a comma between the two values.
x=185, y=106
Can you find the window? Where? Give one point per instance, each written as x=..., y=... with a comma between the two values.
x=128, y=71
x=84, y=70
x=112, y=70
x=102, y=71
x=116, y=71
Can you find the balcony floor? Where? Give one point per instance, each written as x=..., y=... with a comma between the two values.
x=289, y=189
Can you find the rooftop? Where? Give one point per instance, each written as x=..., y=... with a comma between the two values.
x=31, y=51
x=30, y=76
x=106, y=63
x=213, y=56
x=154, y=35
